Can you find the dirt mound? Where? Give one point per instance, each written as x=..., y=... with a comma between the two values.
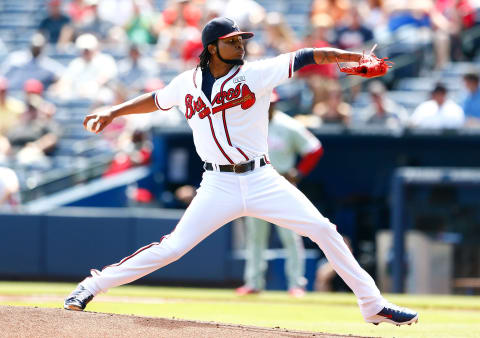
x=19, y=321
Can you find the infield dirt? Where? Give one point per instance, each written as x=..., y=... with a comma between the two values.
x=19, y=321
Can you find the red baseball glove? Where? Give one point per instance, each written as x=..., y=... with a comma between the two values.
x=369, y=66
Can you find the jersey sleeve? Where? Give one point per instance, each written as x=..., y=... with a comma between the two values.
x=269, y=73
x=303, y=140
x=168, y=97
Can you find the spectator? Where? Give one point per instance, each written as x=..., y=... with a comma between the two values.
x=374, y=14
x=36, y=133
x=88, y=74
x=336, y=9
x=135, y=149
x=248, y=14
x=78, y=10
x=178, y=33
x=334, y=111
x=23, y=65
x=471, y=104
x=449, y=18
x=10, y=108
x=408, y=26
x=319, y=77
x=9, y=189
x=119, y=12
x=355, y=34
x=383, y=111
x=279, y=36
x=439, y=112
x=56, y=26
x=94, y=24
x=140, y=27
x=135, y=69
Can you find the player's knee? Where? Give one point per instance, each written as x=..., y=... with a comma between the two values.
x=321, y=228
x=177, y=252
x=170, y=251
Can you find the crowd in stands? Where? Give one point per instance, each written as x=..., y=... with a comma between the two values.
x=102, y=52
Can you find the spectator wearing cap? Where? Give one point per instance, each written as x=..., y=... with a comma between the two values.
x=471, y=104
x=10, y=108
x=87, y=74
x=36, y=133
x=382, y=111
x=56, y=26
x=439, y=112
x=25, y=64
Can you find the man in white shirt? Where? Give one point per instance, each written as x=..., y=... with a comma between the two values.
x=287, y=139
x=438, y=113
x=88, y=74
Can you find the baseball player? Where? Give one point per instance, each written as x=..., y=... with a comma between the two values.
x=286, y=139
x=225, y=101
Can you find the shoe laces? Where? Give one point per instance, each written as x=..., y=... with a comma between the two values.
x=80, y=293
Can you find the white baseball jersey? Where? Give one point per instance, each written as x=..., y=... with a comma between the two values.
x=286, y=139
x=232, y=127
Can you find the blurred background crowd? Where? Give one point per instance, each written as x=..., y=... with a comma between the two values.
x=60, y=59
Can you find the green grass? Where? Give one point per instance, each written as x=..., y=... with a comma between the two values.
x=440, y=316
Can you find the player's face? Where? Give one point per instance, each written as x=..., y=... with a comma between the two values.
x=232, y=48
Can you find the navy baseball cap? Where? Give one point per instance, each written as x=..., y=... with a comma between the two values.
x=221, y=28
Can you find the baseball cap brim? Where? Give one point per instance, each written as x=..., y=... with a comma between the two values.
x=245, y=35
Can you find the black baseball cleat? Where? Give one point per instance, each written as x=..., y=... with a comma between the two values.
x=394, y=315
x=78, y=299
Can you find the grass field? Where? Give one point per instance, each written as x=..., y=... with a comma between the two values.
x=440, y=316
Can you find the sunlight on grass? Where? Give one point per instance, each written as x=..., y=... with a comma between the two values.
x=440, y=316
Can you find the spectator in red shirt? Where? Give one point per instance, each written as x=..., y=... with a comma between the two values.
x=319, y=77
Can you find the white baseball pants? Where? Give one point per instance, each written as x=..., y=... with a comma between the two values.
x=223, y=197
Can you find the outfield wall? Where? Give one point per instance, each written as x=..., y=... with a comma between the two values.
x=65, y=244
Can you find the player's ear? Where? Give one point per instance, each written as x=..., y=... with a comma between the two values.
x=212, y=49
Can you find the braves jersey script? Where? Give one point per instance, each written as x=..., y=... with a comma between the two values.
x=232, y=125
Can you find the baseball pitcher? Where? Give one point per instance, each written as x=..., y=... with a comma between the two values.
x=225, y=101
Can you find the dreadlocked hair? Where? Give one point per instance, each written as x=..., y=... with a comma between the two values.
x=204, y=59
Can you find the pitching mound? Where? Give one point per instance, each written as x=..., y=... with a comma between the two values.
x=19, y=321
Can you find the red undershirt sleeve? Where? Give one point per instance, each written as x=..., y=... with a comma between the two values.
x=309, y=161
